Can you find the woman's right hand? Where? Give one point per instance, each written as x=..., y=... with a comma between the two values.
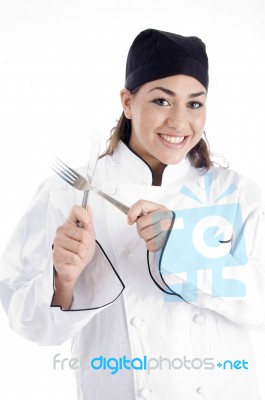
x=74, y=246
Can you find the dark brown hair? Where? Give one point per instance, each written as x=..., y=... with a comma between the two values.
x=199, y=155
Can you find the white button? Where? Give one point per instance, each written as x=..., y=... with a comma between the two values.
x=123, y=252
x=144, y=393
x=199, y=319
x=111, y=189
x=201, y=184
x=136, y=322
x=200, y=391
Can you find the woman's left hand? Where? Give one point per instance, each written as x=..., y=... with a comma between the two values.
x=153, y=222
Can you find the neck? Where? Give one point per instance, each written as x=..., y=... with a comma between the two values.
x=157, y=174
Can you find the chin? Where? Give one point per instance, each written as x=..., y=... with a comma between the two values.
x=173, y=160
x=172, y=157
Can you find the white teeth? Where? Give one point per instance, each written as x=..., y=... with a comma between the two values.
x=173, y=139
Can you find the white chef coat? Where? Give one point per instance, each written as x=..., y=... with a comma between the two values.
x=118, y=309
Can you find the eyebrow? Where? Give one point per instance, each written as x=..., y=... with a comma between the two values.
x=173, y=94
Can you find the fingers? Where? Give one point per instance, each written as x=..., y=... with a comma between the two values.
x=69, y=234
x=154, y=225
x=157, y=242
x=74, y=241
x=154, y=222
x=82, y=215
x=142, y=207
x=153, y=228
x=69, y=251
x=74, y=246
x=66, y=257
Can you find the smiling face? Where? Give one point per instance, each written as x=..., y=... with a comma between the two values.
x=167, y=118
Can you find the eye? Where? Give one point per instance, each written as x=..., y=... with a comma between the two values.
x=195, y=104
x=160, y=101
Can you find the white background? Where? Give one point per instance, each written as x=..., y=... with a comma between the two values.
x=62, y=65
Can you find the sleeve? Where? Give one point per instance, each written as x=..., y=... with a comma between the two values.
x=27, y=281
x=214, y=257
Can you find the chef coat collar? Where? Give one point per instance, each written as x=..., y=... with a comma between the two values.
x=140, y=171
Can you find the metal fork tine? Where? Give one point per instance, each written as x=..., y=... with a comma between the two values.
x=68, y=175
x=66, y=168
x=63, y=175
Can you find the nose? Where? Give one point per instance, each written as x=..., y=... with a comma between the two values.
x=178, y=118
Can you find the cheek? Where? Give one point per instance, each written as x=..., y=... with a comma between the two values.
x=143, y=119
x=199, y=123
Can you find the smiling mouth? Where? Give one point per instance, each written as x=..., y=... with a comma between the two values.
x=172, y=139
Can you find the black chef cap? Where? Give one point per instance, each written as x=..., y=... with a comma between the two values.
x=156, y=54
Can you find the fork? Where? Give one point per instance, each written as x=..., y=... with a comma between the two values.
x=76, y=180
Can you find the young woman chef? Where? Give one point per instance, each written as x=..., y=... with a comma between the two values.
x=158, y=305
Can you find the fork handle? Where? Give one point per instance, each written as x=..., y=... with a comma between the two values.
x=85, y=197
x=84, y=205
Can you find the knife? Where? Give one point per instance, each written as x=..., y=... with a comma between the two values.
x=94, y=150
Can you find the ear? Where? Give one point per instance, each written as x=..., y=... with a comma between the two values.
x=126, y=101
